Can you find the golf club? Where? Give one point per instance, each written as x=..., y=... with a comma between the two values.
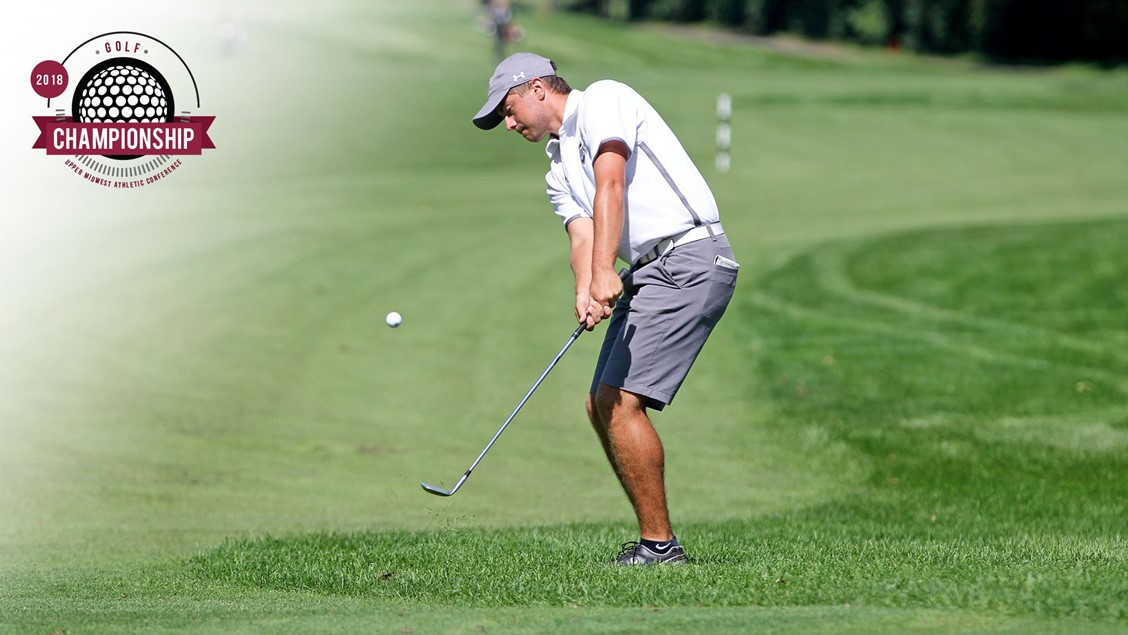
x=437, y=491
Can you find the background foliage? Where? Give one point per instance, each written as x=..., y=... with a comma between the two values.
x=1025, y=31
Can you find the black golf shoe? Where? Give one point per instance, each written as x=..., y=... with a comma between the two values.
x=633, y=553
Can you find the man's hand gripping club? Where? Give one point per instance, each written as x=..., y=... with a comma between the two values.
x=606, y=286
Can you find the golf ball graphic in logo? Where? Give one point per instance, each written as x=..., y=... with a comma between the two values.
x=122, y=90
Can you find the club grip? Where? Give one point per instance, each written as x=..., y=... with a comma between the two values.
x=623, y=273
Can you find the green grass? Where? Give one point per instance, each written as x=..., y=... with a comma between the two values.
x=912, y=418
x=794, y=560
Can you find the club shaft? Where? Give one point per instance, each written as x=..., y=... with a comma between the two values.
x=567, y=345
x=575, y=335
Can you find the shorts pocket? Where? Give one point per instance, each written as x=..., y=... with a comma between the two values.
x=680, y=268
x=722, y=284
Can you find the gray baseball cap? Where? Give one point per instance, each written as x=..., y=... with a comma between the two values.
x=514, y=70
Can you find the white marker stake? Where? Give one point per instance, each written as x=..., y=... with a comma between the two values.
x=724, y=132
x=724, y=106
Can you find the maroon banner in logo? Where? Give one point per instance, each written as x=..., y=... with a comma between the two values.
x=65, y=136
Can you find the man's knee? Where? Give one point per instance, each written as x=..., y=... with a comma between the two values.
x=592, y=413
x=608, y=401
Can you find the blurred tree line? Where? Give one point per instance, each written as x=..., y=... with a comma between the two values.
x=1038, y=31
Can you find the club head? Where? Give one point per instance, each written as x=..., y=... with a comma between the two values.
x=431, y=489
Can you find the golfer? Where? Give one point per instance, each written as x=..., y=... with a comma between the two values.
x=623, y=186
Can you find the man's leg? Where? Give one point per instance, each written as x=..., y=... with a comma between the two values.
x=635, y=452
x=601, y=432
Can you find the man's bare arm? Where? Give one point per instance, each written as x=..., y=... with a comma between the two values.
x=610, y=184
x=581, y=234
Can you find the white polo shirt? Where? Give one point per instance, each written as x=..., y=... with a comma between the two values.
x=665, y=193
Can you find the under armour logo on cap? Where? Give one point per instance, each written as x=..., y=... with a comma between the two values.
x=518, y=77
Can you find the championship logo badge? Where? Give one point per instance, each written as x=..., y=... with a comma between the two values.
x=130, y=117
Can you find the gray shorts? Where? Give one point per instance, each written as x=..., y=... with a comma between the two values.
x=668, y=309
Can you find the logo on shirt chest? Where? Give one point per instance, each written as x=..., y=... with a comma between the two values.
x=583, y=154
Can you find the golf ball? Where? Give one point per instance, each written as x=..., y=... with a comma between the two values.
x=122, y=93
x=394, y=319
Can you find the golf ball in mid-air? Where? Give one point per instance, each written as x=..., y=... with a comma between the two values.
x=394, y=319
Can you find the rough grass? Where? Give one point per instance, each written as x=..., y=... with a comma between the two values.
x=841, y=555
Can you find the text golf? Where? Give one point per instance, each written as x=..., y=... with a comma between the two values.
x=121, y=46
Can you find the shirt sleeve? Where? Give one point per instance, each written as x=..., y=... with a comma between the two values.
x=564, y=204
x=609, y=113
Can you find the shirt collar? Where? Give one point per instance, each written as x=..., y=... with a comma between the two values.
x=570, y=108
